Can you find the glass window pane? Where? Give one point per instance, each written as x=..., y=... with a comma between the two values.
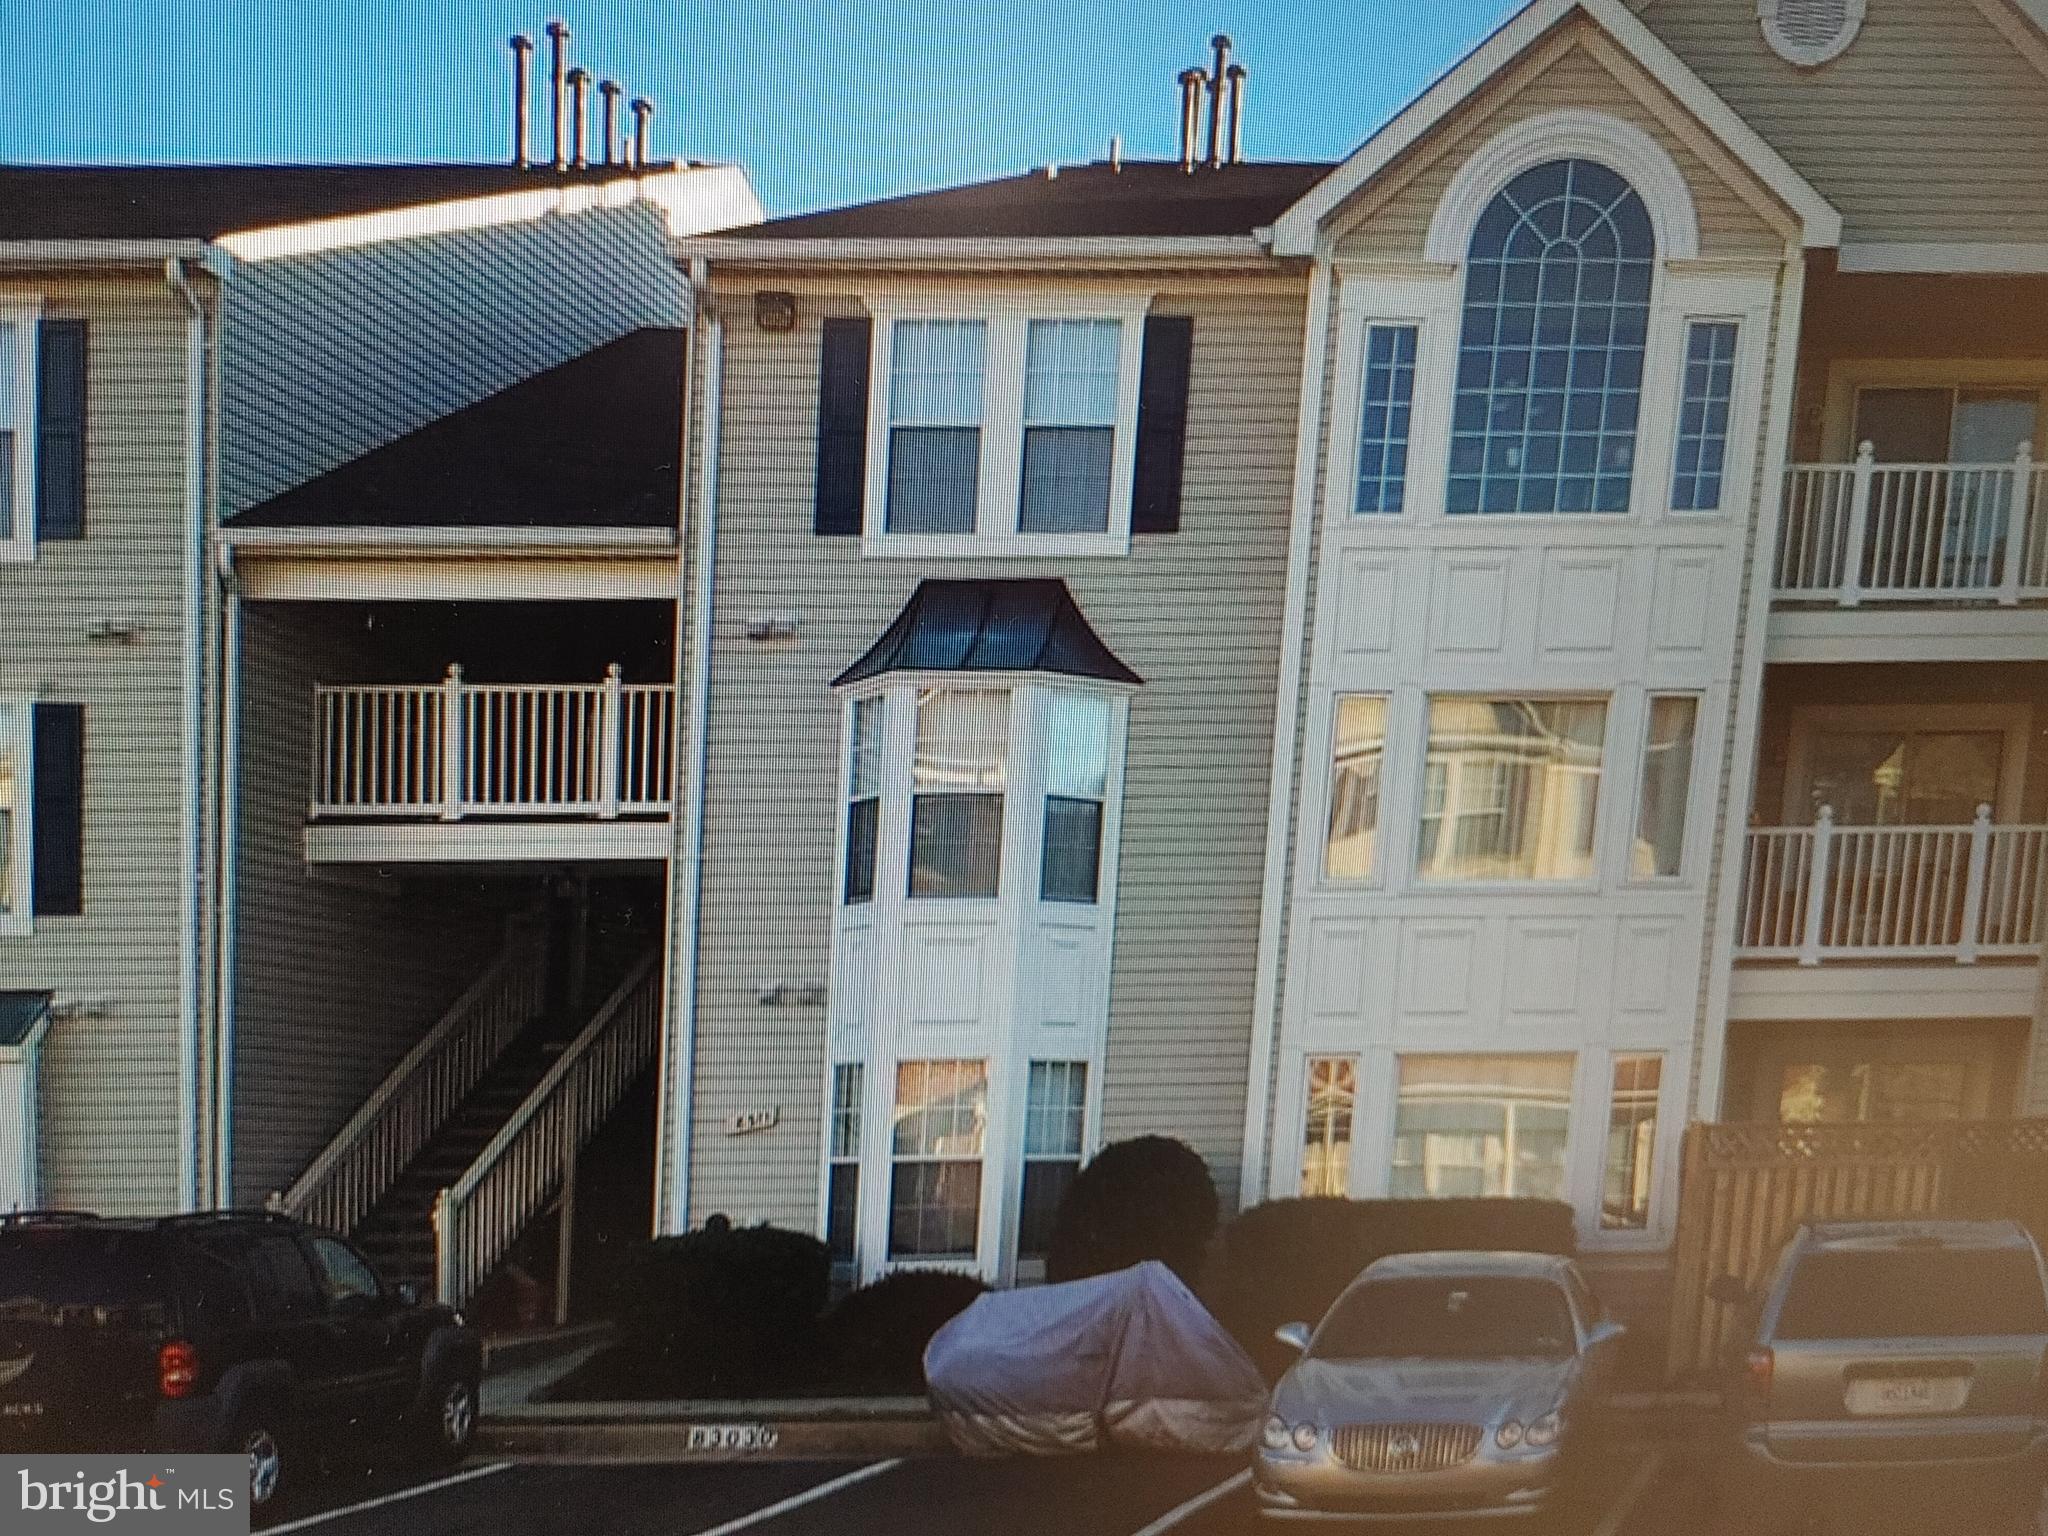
x=1388, y=400
x=1357, y=749
x=1904, y=777
x=1045, y=1185
x=941, y=1108
x=1070, y=372
x=1841, y=1092
x=936, y=373
x=1631, y=1143
x=935, y=1190
x=12, y=428
x=863, y=819
x=934, y=1210
x=1709, y=384
x=1055, y=1101
x=842, y=1203
x=1511, y=789
x=864, y=754
x=1326, y=1125
x=1066, y=479
x=956, y=845
x=1659, y=849
x=963, y=739
x=1550, y=356
x=842, y=1212
x=1482, y=1126
x=1072, y=868
x=1077, y=744
x=934, y=477
x=847, y=1081
x=13, y=803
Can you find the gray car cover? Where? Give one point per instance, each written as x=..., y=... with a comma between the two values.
x=1130, y=1358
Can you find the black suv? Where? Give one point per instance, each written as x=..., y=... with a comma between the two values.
x=220, y=1332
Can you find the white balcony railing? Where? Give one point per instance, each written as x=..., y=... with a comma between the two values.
x=1881, y=893
x=1870, y=532
x=515, y=749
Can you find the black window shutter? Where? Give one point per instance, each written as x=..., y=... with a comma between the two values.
x=842, y=425
x=1162, y=423
x=58, y=824
x=60, y=430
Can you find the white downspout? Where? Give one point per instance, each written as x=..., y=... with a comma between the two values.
x=680, y=1040
x=1274, y=893
x=228, y=842
x=191, y=731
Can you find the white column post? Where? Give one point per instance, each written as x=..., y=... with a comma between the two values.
x=454, y=731
x=2016, y=517
x=1817, y=885
x=1851, y=591
x=1973, y=887
x=611, y=731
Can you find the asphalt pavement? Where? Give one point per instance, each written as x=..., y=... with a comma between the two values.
x=1106, y=1495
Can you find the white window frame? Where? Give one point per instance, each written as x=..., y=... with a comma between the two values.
x=1688, y=835
x=1579, y=1056
x=1358, y=1063
x=999, y=492
x=20, y=545
x=17, y=733
x=1030, y=1267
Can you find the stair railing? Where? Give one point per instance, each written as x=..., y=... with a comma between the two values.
x=479, y=1217
x=415, y=1100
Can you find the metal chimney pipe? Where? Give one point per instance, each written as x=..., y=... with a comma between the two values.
x=579, y=95
x=608, y=93
x=1191, y=82
x=558, y=37
x=522, y=54
x=643, y=114
x=1237, y=74
x=1221, y=43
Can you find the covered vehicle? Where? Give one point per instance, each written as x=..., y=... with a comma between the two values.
x=1130, y=1358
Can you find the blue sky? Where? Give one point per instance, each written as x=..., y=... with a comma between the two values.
x=823, y=101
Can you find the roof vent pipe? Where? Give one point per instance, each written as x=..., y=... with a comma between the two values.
x=1191, y=83
x=522, y=53
x=1221, y=43
x=643, y=114
x=1237, y=74
x=608, y=93
x=558, y=38
x=579, y=95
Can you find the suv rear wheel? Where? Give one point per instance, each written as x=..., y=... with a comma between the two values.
x=449, y=1424
x=259, y=1437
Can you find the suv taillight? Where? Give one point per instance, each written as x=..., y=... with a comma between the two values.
x=177, y=1369
x=1757, y=1368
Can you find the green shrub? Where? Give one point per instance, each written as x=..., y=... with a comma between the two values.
x=874, y=1338
x=725, y=1310
x=1287, y=1260
x=1150, y=1198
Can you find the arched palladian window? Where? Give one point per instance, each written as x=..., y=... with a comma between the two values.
x=1550, y=360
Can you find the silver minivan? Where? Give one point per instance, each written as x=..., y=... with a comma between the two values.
x=1889, y=1374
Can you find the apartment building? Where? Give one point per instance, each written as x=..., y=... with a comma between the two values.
x=189, y=1007
x=1402, y=673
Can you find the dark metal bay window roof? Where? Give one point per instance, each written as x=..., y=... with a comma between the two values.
x=990, y=626
x=20, y=1013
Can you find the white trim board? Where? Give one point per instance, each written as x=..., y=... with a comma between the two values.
x=485, y=842
x=1295, y=232
x=1886, y=632
x=405, y=579
x=1846, y=990
x=1952, y=256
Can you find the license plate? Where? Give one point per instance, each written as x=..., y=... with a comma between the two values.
x=1902, y=1396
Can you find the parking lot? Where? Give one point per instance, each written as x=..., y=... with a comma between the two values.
x=1107, y=1495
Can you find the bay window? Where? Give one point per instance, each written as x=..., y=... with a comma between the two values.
x=958, y=776
x=1056, y=1096
x=1494, y=1126
x=1511, y=788
x=941, y=1121
x=1332, y=1097
x=1076, y=789
x=935, y=409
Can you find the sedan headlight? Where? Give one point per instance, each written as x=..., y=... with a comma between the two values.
x=1545, y=1431
x=1274, y=1436
x=1509, y=1435
x=1305, y=1436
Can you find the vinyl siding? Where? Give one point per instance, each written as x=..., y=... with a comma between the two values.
x=1197, y=614
x=1574, y=68
x=329, y=355
x=1932, y=126
x=338, y=972
x=108, y=1084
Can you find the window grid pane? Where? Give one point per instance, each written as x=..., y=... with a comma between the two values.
x=1493, y=1126
x=1326, y=1125
x=1389, y=396
x=1358, y=748
x=963, y=739
x=864, y=765
x=1511, y=789
x=13, y=803
x=1070, y=373
x=935, y=1188
x=1659, y=850
x=1703, y=416
x=1550, y=356
x=842, y=1195
x=935, y=405
x=1056, y=1099
x=1631, y=1143
x=848, y=1079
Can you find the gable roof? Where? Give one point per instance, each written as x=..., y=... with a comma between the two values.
x=1294, y=232
x=1024, y=625
x=204, y=202
x=591, y=443
x=1135, y=198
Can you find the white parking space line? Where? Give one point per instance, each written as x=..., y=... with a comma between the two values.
x=1194, y=1506
x=809, y=1495
x=1631, y=1496
x=390, y=1498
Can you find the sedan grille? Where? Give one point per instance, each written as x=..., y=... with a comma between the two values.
x=1404, y=1447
